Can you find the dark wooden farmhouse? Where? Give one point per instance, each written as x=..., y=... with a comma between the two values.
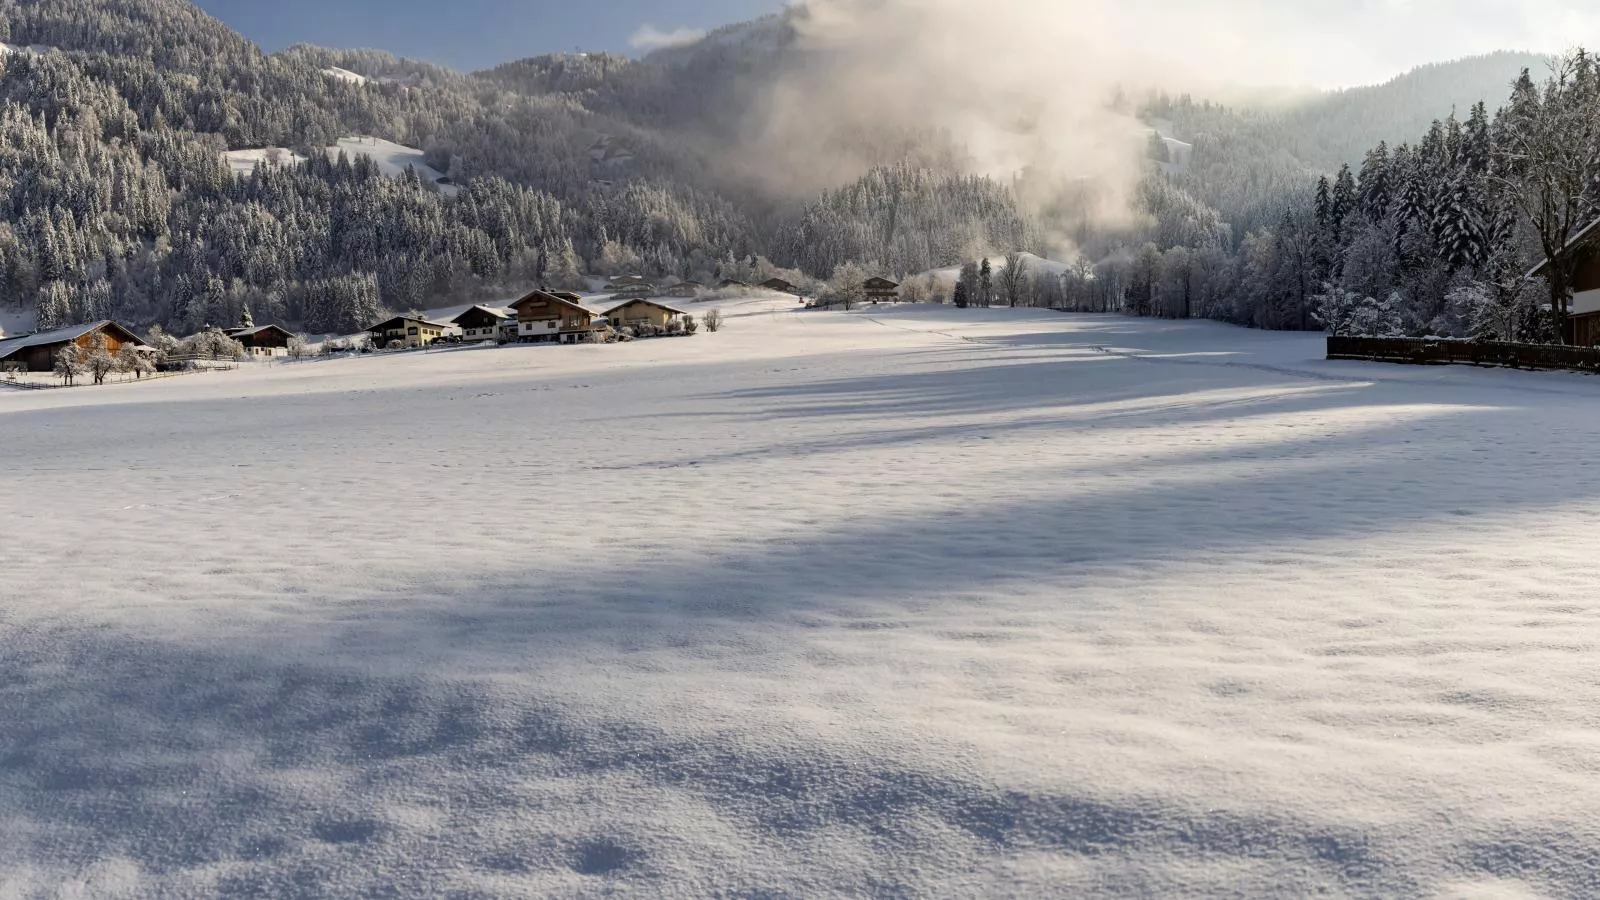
x=1583, y=315
x=481, y=323
x=727, y=283
x=263, y=340
x=37, y=352
x=778, y=284
x=881, y=289
x=544, y=316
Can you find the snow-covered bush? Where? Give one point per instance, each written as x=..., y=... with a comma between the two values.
x=713, y=320
x=1346, y=313
x=674, y=327
x=298, y=348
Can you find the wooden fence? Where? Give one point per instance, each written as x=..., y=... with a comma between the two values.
x=1431, y=351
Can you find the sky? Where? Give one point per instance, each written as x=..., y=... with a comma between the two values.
x=1323, y=43
x=476, y=34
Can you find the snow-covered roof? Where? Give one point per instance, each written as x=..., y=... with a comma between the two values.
x=497, y=311
x=10, y=346
x=646, y=300
x=253, y=331
x=1584, y=234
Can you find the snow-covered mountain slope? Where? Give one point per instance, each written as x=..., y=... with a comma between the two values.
x=392, y=159
x=901, y=602
x=345, y=75
x=243, y=162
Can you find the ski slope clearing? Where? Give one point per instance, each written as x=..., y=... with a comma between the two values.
x=244, y=162
x=345, y=75
x=909, y=601
x=392, y=159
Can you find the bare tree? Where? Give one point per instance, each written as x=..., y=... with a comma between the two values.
x=69, y=363
x=98, y=360
x=848, y=286
x=1546, y=162
x=713, y=320
x=1014, y=278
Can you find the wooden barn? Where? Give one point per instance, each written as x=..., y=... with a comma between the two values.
x=881, y=289
x=481, y=323
x=730, y=283
x=777, y=284
x=1583, y=315
x=37, y=352
x=686, y=289
x=543, y=316
x=263, y=340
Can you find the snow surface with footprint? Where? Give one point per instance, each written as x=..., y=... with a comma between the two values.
x=912, y=601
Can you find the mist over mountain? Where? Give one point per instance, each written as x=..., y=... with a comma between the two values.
x=794, y=143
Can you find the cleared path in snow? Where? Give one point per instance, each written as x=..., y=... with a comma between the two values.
x=898, y=601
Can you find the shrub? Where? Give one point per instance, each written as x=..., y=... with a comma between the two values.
x=690, y=326
x=674, y=327
x=714, y=320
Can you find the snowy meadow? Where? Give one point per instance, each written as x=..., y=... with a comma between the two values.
x=895, y=602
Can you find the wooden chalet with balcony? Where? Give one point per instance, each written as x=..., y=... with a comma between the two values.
x=881, y=290
x=633, y=313
x=482, y=323
x=545, y=316
x=1583, y=311
x=408, y=332
x=262, y=340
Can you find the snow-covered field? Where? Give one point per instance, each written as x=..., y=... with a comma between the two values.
x=392, y=159
x=909, y=601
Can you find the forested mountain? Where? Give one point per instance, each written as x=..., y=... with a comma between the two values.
x=116, y=201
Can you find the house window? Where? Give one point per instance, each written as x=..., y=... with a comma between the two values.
x=411, y=331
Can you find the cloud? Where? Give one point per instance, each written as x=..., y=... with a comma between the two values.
x=649, y=37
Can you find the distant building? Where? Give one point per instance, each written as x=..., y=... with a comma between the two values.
x=543, y=316
x=482, y=323
x=37, y=352
x=634, y=313
x=881, y=289
x=410, y=332
x=262, y=340
x=778, y=284
x=728, y=283
x=1583, y=314
x=686, y=289
x=637, y=290
x=627, y=282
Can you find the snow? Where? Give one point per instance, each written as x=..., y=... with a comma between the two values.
x=903, y=601
x=243, y=162
x=14, y=322
x=29, y=50
x=345, y=75
x=392, y=159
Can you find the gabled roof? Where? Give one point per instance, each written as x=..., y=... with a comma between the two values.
x=550, y=298
x=883, y=283
x=11, y=346
x=731, y=282
x=777, y=284
x=645, y=300
x=1584, y=235
x=251, y=332
x=402, y=320
x=497, y=313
